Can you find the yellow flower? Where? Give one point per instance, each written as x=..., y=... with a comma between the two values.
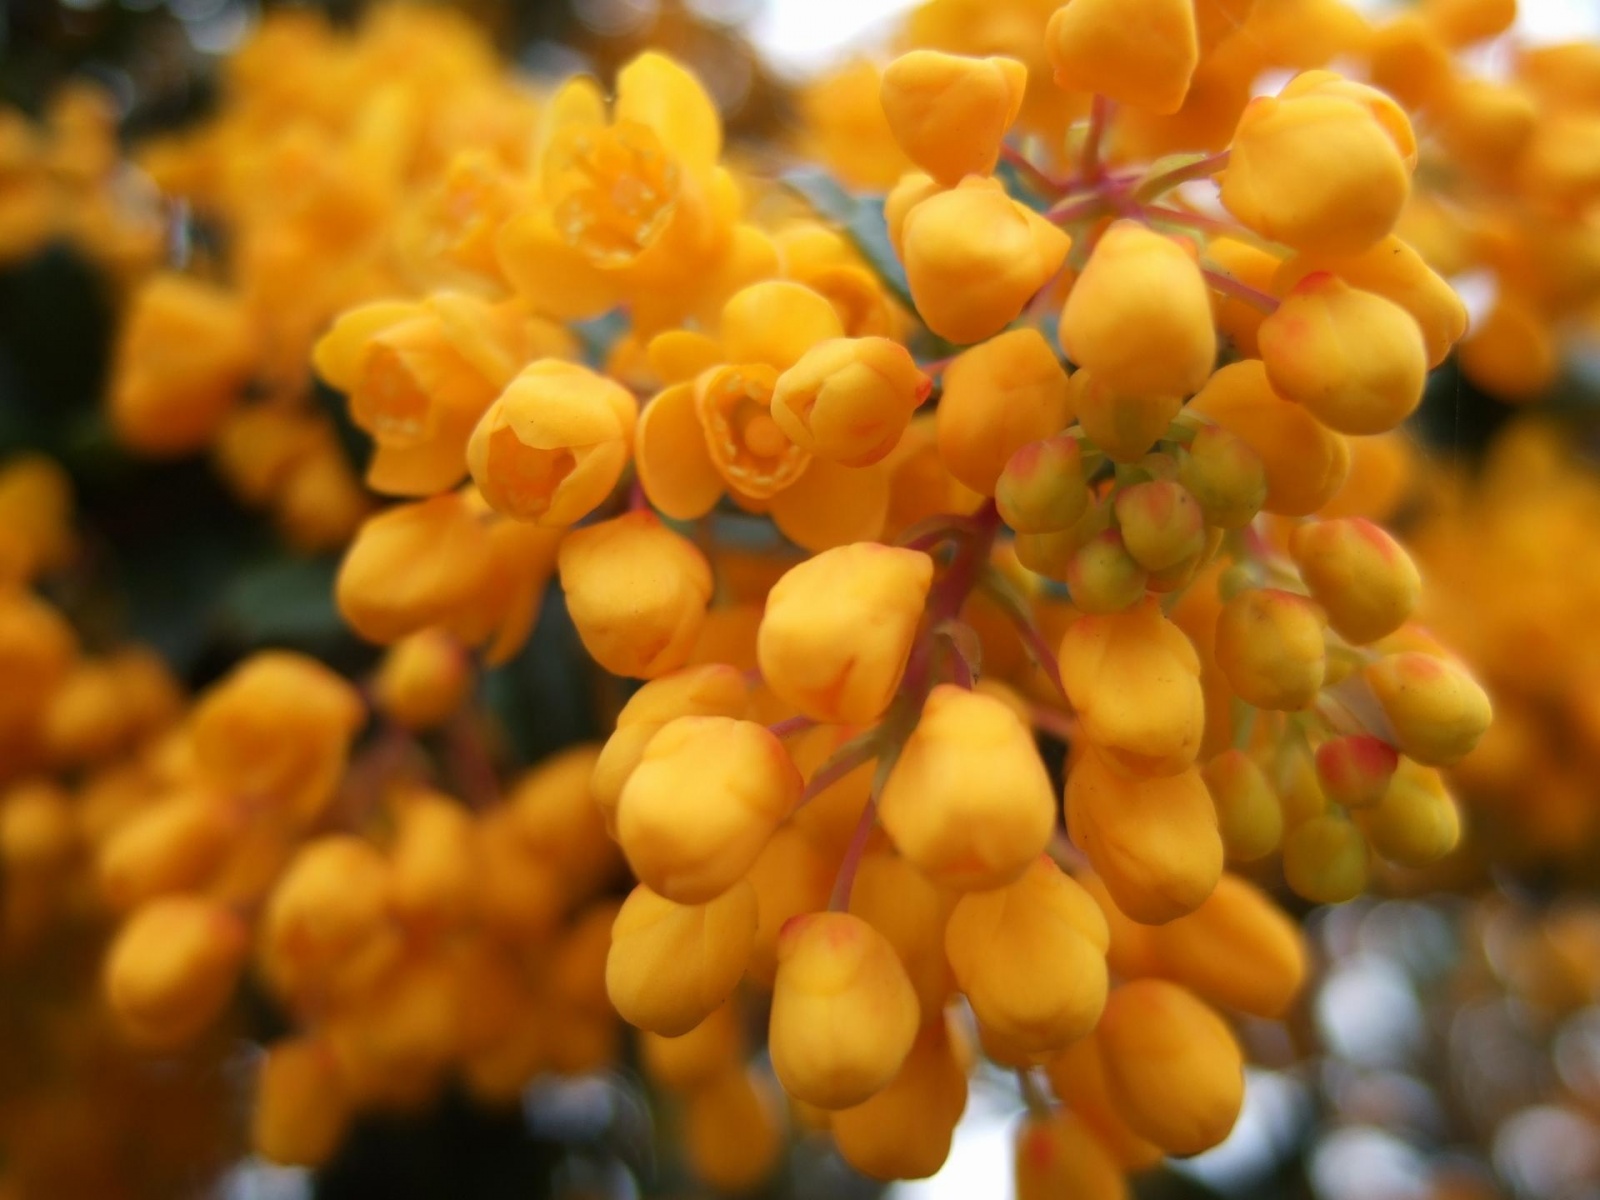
x=949, y=113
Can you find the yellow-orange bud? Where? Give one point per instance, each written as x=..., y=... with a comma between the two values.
x=1306, y=463
x=1270, y=646
x=1437, y=710
x=1139, y=315
x=171, y=847
x=1173, y=1065
x=844, y=1015
x=969, y=800
x=704, y=799
x=637, y=593
x=671, y=965
x=849, y=399
x=1134, y=679
x=1153, y=841
x=733, y=1130
x=1238, y=949
x=302, y=1107
x=1030, y=957
x=997, y=397
x=712, y=690
x=1060, y=1155
x=1318, y=172
x=1354, y=359
x=554, y=444
x=1325, y=859
x=172, y=967
x=1361, y=576
x=904, y=1131
x=1249, y=817
x=423, y=680
x=1138, y=52
x=838, y=629
x=1415, y=823
x=949, y=112
x=974, y=257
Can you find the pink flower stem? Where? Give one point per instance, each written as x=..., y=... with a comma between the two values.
x=1041, y=180
x=790, y=726
x=1053, y=723
x=1163, y=215
x=1167, y=180
x=1099, y=119
x=1229, y=286
x=839, y=898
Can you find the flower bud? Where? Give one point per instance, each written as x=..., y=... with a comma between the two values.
x=1059, y=1155
x=1361, y=576
x=838, y=629
x=968, y=800
x=1438, y=711
x=904, y=1131
x=732, y=1130
x=38, y=834
x=554, y=443
x=186, y=352
x=1030, y=957
x=707, y=794
x=1043, y=487
x=171, y=969
x=1325, y=860
x=712, y=690
x=1415, y=823
x=844, y=1015
x=910, y=190
x=1103, y=577
x=1320, y=173
x=1393, y=269
x=793, y=875
x=1153, y=841
x=1305, y=462
x=1224, y=475
x=671, y=965
x=1355, y=770
x=1249, y=817
x=997, y=397
x=974, y=258
x=554, y=817
x=1238, y=950
x=1355, y=360
x=1078, y=1077
x=1123, y=424
x=911, y=911
x=1512, y=353
x=277, y=731
x=685, y=1062
x=1161, y=524
x=949, y=113
x=1134, y=680
x=173, y=846
x=637, y=593
x=849, y=399
x=413, y=566
x=327, y=910
x=434, y=863
x=302, y=1108
x=1462, y=22
x=422, y=680
x=1137, y=52
x=1270, y=646
x=1139, y=314
x=1173, y=1065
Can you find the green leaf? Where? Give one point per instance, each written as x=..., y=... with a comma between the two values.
x=284, y=600
x=859, y=218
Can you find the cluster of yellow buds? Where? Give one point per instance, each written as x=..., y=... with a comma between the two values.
x=1081, y=436
x=1529, y=511
x=63, y=178
x=829, y=785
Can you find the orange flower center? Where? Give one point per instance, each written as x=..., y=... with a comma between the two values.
x=523, y=479
x=749, y=449
x=616, y=190
x=389, y=402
